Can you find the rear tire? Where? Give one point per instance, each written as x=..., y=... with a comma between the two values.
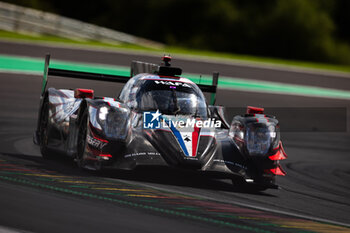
x=43, y=129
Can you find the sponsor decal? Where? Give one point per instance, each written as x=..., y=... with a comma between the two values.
x=151, y=120
x=95, y=142
x=141, y=154
x=187, y=138
x=186, y=130
x=230, y=162
x=173, y=84
x=155, y=120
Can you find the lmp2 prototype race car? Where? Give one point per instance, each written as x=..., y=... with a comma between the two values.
x=158, y=119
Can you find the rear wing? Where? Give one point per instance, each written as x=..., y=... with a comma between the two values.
x=137, y=67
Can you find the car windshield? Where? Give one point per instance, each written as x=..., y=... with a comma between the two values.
x=171, y=98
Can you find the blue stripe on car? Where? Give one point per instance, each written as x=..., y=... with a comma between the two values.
x=179, y=138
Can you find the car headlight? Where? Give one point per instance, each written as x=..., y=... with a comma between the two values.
x=258, y=139
x=114, y=121
x=254, y=139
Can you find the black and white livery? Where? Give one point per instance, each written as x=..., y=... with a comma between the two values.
x=158, y=119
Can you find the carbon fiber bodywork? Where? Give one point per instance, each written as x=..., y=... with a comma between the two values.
x=109, y=133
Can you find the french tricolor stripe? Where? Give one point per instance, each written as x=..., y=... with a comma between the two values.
x=195, y=139
x=179, y=138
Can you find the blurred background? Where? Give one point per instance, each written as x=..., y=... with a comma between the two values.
x=310, y=30
x=291, y=57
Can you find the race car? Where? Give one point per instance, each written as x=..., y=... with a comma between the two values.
x=159, y=119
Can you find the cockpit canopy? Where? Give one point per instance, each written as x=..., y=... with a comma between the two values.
x=169, y=96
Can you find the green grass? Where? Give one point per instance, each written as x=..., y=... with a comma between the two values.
x=176, y=51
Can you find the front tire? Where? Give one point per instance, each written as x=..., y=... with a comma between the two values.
x=81, y=141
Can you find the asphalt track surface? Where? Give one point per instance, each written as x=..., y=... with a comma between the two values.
x=37, y=195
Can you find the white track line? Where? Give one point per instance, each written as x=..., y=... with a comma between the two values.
x=236, y=203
